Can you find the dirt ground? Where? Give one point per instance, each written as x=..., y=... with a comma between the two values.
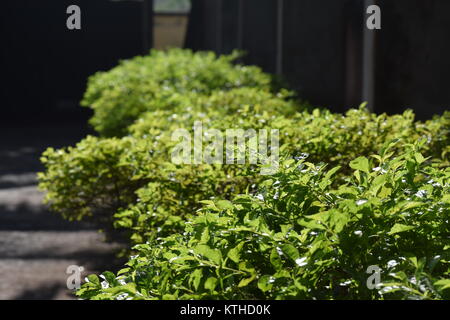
x=37, y=246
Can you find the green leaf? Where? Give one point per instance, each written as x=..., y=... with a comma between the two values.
x=110, y=278
x=275, y=259
x=419, y=157
x=210, y=283
x=211, y=254
x=412, y=204
x=94, y=279
x=224, y=205
x=129, y=288
x=195, y=278
x=398, y=227
x=331, y=172
x=361, y=164
x=122, y=271
x=326, y=181
x=247, y=281
x=265, y=283
x=387, y=146
x=338, y=221
x=443, y=284
x=310, y=224
x=290, y=251
x=205, y=236
x=379, y=181
x=234, y=254
x=246, y=266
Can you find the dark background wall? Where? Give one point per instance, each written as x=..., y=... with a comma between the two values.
x=413, y=66
x=225, y=25
x=314, y=46
x=316, y=37
x=44, y=66
x=322, y=48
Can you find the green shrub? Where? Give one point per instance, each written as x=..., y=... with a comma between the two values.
x=225, y=231
x=300, y=237
x=94, y=178
x=89, y=180
x=338, y=138
x=157, y=81
x=232, y=104
x=325, y=136
x=99, y=175
x=321, y=136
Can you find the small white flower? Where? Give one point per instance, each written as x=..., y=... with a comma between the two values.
x=105, y=285
x=388, y=289
x=361, y=202
x=392, y=263
x=421, y=193
x=302, y=156
x=172, y=259
x=260, y=197
x=358, y=233
x=122, y=296
x=280, y=252
x=379, y=169
x=301, y=262
x=346, y=283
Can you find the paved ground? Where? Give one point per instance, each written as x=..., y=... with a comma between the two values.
x=37, y=246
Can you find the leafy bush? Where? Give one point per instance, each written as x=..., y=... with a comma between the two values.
x=100, y=176
x=153, y=82
x=94, y=178
x=325, y=136
x=320, y=135
x=337, y=139
x=225, y=231
x=301, y=238
x=80, y=181
x=242, y=102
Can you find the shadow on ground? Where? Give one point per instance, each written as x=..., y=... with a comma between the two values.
x=37, y=246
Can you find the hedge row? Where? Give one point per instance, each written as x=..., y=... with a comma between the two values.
x=374, y=191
